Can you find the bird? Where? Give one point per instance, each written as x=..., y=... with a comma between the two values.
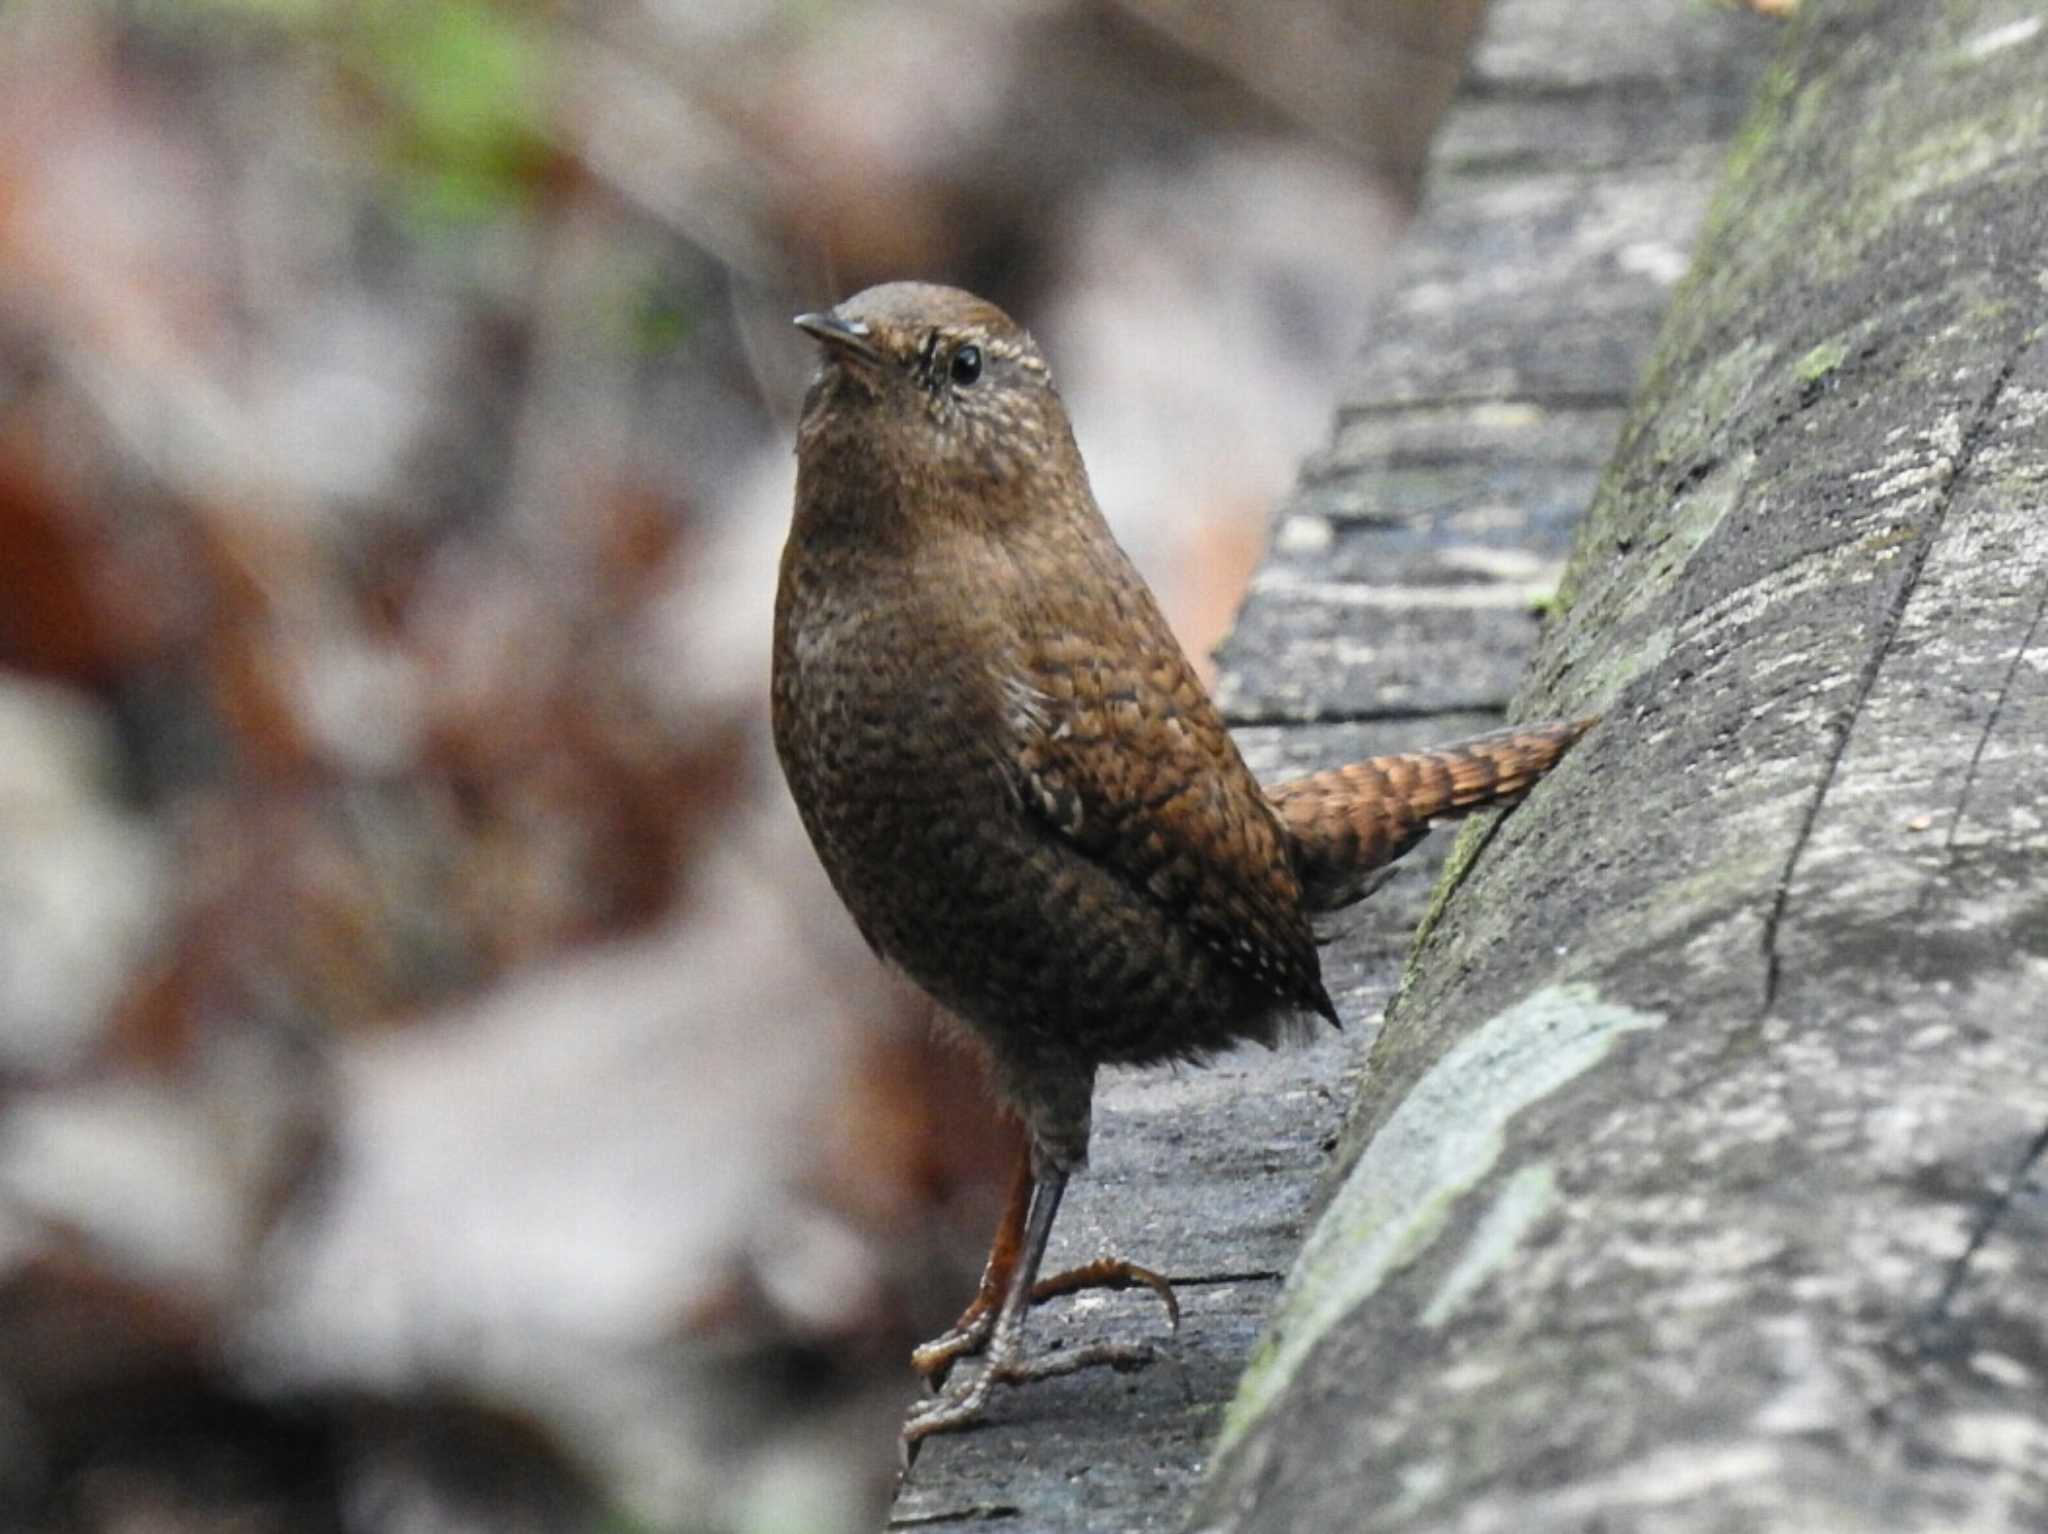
x=1019, y=787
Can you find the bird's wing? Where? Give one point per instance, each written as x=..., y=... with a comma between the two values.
x=1126, y=759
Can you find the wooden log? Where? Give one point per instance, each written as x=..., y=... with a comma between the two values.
x=1695, y=1180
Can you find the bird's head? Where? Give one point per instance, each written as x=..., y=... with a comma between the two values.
x=936, y=385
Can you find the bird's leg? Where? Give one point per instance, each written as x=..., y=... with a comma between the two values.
x=970, y=1334
x=962, y=1406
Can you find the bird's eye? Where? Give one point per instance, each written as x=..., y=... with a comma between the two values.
x=966, y=365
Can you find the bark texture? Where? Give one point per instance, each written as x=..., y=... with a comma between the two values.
x=1694, y=1182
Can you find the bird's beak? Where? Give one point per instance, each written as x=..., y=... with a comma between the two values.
x=836, y=334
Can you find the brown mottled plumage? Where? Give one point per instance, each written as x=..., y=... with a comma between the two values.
x=1346, y=824
x=1014, y=778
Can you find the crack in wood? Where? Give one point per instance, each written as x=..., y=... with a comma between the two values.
x=2012, y=668
x=980, y=1512
x=1866, y=683
x=1247, y=1276
x=1938, y=1314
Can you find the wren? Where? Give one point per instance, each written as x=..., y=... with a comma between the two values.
x=1017, y=783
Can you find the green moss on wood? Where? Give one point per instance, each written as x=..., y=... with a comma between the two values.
x=1445, y=1138
x=1820, y=362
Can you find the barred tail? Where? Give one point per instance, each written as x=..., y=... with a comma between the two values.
x=1349, y=822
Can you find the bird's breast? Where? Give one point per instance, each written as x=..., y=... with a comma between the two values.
x=886, y=723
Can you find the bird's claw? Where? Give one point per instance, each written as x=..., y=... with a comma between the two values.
x=965, y=1407
x=1112, y=1273
x=969, y=1335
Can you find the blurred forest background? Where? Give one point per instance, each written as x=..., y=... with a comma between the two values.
x=439, y=1090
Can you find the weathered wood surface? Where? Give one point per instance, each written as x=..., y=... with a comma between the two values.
x=1395, y=610
x=1695, y=1181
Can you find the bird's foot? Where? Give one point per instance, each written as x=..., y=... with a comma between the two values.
x=967, y=1336
x=970, y=1334
x=965, y=1404
x=994, y=1324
